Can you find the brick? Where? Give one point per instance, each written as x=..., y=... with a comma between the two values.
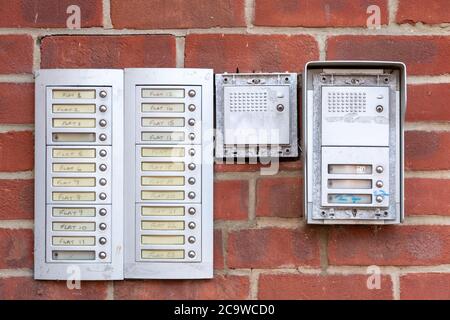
x=218, y=250
x=221, y=287
x=108, y=51
x=283, y=165
x=389, y=245
x=16, y=54
x=17, y=103
x=248, y=53
x=429, y=12
x=321, y=287
x=16, y=151
x=423, y=55
x=48, y=13
x=16, y=199
x=177, y=14
x=279, y=197
x=231, y=200
x=273, y=248
x=427, y=150
x=21, y=288
x=428, y=102
x=427, y=197
x=316, y=13
x=425, y=286
x=16, y=248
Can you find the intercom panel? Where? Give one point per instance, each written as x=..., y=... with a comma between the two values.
x=256, y=115
x=353, y=116
x=79, y=175
x=169, y=173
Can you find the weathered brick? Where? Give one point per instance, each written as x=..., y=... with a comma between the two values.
x=282, y=165
x=279, y=197
x=425, y=286
x=228, y=52
x=16, y=199
x=428, y=102
x=16, y=103
x=273, y=248
x=429, y=12
x=48, y=13
x=316, y=13
x=389, y=245
x=218, y=250
x=28, y=289
x=221, y=287
x=427, y=150
x=427, y=196
x=108, y=51
x=231, y=200
x=177, y=14
x=321, y=287
x=16, y=248
x=423, y=55
x=16, y=54
x=16, y=151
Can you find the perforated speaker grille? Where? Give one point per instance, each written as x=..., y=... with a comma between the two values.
x=248, y=101
x=346, y=102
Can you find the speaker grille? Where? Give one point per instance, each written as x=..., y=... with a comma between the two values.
x=345, y=102
x=248, y=101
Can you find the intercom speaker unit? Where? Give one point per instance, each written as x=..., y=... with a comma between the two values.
x=256, y=115
x=79, y=175
x=352, y=135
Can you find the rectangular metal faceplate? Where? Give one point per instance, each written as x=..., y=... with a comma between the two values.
x=79, y=175
x=353, y=118
x=256, y=115
x=169, y=173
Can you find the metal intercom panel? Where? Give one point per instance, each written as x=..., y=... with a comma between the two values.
x=169, y=173
x=353, y=116
x=79, y=175
x=256, y=115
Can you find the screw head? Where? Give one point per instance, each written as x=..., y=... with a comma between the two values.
x=103, y=94
x=379, y=169
x=191, y=122
x=103, y=167
x=102, y=196
x=379, y=109
x=103, y=108
x=192, y=211
x=191, y=136
x=191, y=180
x=103, y=153
x=191, y=195
x=191, y=93
x=379, y=184
x=191, y=152
x=102, y=255
x=191, y=107
x=102, y=137
x=103, y=212
x=103, y=182
x=280, y=108
x=191, y=254
x=102, y=123
x=379, y=199
x=191, y=166
x=191, y=240
x=102, y=240
x=102, y=226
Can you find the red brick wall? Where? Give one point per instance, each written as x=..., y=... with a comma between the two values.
x=263, y=249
